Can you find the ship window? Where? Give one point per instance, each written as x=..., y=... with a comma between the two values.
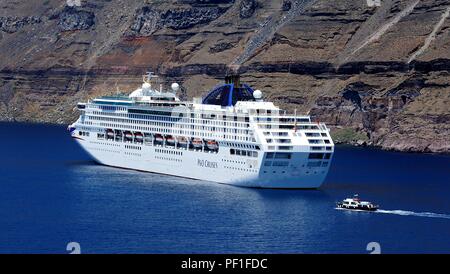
x=280, y=163
x=315, y=156
x=268, y=163
x=314, y=164
x=327, y=155
x=270, y=155
x=255, y=154
x=232, y=151
x=281, y=155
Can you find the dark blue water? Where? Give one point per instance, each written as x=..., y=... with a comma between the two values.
x=51, y=194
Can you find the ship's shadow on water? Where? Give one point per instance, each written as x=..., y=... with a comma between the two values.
x=81, y=163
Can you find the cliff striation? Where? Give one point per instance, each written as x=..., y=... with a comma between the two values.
x=378, y=75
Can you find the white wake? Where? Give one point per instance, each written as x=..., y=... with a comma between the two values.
x=412, y=213
x=403, y=213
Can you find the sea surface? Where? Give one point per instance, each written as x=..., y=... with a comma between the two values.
x=52, y=193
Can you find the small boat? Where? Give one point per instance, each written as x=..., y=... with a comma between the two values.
x=159, y=138
x=147, y=137
x=138, y=135
x=128, y=135
x=356, y=204
x=110, y=132
x=197, y=143
x=170, y=140
x=212, y=145
x=183, y=141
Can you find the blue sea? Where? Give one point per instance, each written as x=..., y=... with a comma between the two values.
x=52, y=193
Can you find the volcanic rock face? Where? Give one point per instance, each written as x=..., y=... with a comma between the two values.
x=13, y=24
x=376, y=75
x=148, y=21
x=74, y=19
x=247, y=8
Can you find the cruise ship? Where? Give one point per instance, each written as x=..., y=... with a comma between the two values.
x=231, y=136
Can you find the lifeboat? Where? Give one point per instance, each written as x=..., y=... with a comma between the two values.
x=183, y=141
x=128, y=135
x=159, y=138
x=170, y=140
x=212, y=145
x=197, y=143
x=147, y=137
x=110, y=132
x=138, y=135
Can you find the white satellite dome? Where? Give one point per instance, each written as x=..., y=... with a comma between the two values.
x=175, y=87
x=137, y=93
x=146, y=86
x=257, y=94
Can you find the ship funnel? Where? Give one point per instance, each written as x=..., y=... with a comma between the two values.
x=234, y=79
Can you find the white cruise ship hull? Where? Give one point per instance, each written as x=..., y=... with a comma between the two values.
x=217, y=167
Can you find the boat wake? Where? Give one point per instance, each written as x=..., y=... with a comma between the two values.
x=404, y=213
x=412, y=213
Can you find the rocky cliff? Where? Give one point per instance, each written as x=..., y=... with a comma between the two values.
x=378, y=75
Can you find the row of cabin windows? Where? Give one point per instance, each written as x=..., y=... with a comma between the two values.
x=169, y=152
x=179, y=126
x=319, y=156
x=280, y=141
x=278, y=155
x=239, y=152
x=316, y=134
x=84, y=133
x=276, y=163
x=242, y=145
x=133, y=147
x=178, y=132
x=318, y=141
x=282, y=134
x=168, y=113
x=242, y=122
x=277, y=126
x=321, y=148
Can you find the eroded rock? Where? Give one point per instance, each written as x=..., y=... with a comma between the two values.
x=13, y=24
x=247, y=8
x=286, y=6
x=75, y=19
x=219, y=47
x=148, y=20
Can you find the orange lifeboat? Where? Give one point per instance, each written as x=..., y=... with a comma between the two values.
x=197, y=143
x=212, y=145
